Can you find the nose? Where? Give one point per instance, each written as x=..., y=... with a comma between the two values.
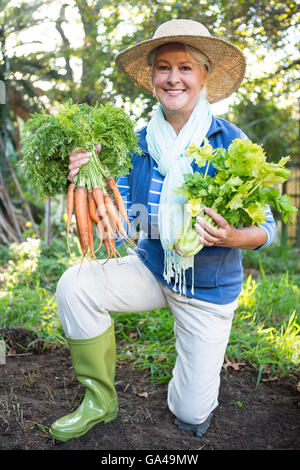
x=173, y=76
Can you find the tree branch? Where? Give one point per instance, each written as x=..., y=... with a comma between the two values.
x=65, y=40
x=286, y=67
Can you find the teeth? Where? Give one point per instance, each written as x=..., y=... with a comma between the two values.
x=174, y=92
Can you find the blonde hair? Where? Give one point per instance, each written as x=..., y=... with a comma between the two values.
x=194, y=54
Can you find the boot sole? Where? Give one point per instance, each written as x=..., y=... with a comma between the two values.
x=64, y=438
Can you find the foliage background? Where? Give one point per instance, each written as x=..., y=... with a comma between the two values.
x=59, y=49
x=54, y=50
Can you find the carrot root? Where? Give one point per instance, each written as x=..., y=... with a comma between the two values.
x=96, y=206
x=70, y=210
x=104, y=226
x=82, y=218
x=115, y=219
x=118, y=199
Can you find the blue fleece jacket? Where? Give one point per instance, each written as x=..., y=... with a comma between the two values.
x=218, y=272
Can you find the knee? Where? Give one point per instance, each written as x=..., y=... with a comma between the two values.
x=193, y=413
x=192, y=408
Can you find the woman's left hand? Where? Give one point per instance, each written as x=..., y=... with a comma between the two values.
x=223, y=235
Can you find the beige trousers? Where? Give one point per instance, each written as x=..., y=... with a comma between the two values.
x=86, y=295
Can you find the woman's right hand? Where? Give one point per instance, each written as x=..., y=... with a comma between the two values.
x=77, y=159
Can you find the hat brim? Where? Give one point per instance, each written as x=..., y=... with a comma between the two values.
x=228, y=65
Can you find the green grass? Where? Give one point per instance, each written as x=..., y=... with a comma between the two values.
x=28, y=275
x=265, y=331
x=147, y=340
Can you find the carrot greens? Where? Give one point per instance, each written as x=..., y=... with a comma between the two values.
x=47, y=143
x=48, y=140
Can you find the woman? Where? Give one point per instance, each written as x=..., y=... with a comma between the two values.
x=187, y=69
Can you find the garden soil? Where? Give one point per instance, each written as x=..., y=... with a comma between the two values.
x=36, y=388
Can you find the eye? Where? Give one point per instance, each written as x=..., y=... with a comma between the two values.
x=186, y=68
x=162, y=67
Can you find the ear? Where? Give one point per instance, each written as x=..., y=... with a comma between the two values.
x=204, y=74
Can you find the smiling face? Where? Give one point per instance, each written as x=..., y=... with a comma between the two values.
x=177, y=80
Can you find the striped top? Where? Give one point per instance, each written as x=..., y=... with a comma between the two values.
x=153, y=203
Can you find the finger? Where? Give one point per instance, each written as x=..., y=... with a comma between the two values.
x=79, y=156
x=205, y=237
x=72, y=174
x=78, y=163
x=98, y=148
x=208, y=227
x=75, y=151
x=216, y=217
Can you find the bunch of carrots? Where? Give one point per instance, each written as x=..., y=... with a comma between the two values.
x=47, y=142
x=96, y=206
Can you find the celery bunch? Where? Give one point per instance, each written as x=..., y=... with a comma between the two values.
x=243, y=185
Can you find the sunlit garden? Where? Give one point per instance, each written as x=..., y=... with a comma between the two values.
x=265, y=330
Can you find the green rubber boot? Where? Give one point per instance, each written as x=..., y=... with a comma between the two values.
x=94, y=364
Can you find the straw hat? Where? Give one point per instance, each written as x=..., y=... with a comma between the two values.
x=228, y=64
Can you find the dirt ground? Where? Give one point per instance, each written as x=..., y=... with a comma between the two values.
x=38, y=388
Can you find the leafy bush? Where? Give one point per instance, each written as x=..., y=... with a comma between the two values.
x=266, y=327
x=273, y=259
x=4, y=254
x=27, y=294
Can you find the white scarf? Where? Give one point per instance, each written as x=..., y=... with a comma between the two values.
x=167, y=148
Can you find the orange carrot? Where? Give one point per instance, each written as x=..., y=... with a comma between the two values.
x=110, y=239
x=112, y=212
x=107, y=247
x=93, y=208
x=102, y=213
x=116, y=224
x=81, y=214
x=70, y=209
x=100, y=232
x=116, y=220
x=118, y=199
x=113, y=247
x=101, y=210
x=94, y=216
x=91, y=236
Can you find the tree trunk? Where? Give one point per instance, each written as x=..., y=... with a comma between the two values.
x=16, y=182
x=8, y=234
x=9, y=208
